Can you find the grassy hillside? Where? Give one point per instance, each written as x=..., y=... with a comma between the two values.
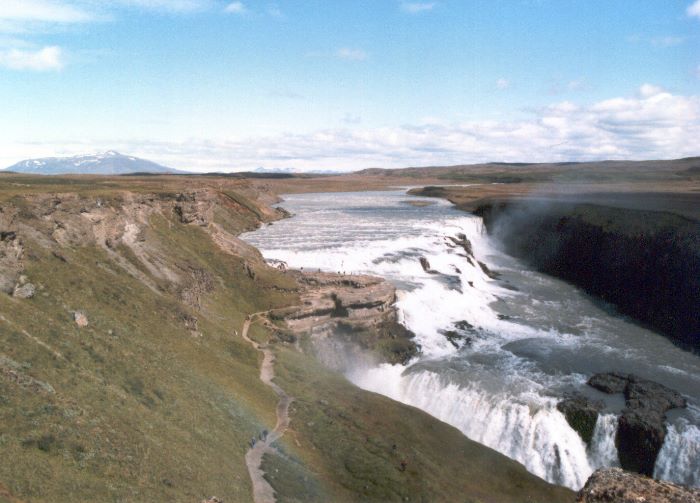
x=122, y=377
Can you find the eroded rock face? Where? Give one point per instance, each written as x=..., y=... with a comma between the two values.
x=646, y=263
x=642, y=425
x=11, y=252
x=348, y=310
x=613, y=485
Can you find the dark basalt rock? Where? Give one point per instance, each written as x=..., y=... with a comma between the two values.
x=641, y=427
x=640, y=436
x=426, y=265
x=462, y=241
x=453, y=336
x=610, y=382
x=642, y=393
x=491, y=274
x=464, y=325
x=581, y=414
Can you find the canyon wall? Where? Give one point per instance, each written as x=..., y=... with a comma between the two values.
x=645, y=263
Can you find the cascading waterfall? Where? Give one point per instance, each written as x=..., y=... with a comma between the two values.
x=528, y=429
x=523, y=341
x=679, y=459
x=602, y=452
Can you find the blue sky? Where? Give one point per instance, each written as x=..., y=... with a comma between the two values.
x=207, y=84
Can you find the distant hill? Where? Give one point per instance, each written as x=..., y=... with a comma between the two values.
x=107, y=163
x=554, y=172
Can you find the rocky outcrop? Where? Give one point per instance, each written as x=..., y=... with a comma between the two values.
x=11, y=251
x=613, y=485
x=24, y=289
x=582, y=415
x=426, y=265
x=351, y=310
x=609, y=382
x=120, y=226
x=462, y=334
x=462, y=241
x=641, y=427
x=646, y=263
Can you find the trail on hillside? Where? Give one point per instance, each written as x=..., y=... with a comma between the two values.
x=262, y=490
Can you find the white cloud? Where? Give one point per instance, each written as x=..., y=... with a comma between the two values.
x=652, y=124
x=47, y=58
x=417, y=7
x=351, y=54
x=236, y=8
x=41, y=10
x=32, y=16
x=502, y=83
x=694, y=9
x=649, y=90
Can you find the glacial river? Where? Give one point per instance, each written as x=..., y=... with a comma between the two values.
x=528, y=340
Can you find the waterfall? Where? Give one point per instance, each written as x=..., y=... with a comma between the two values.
x=527, y=428
x=679, y=458
x=602, y=452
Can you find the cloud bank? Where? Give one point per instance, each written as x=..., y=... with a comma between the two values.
x=651, y=124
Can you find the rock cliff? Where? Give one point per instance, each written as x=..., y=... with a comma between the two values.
x=346, y=313
x=646, y=263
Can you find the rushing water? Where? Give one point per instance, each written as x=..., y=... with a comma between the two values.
x=529, y=340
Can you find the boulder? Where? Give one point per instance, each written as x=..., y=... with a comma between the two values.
x=581, y=414
x=609, y=382
x=613, y=485
x=25, y=291
x=642, y=393
x=80, y=319
x=640, y=436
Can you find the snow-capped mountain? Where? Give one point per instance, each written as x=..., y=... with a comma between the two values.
x=107, y=163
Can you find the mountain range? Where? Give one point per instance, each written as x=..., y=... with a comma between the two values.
x=107, y=163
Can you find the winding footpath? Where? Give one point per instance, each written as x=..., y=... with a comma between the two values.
x=262, y=490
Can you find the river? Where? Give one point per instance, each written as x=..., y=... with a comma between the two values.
x=528, y=338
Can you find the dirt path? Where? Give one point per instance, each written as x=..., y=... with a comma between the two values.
x=262, y=490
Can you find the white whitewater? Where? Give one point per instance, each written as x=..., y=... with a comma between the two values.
x=528, y=339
